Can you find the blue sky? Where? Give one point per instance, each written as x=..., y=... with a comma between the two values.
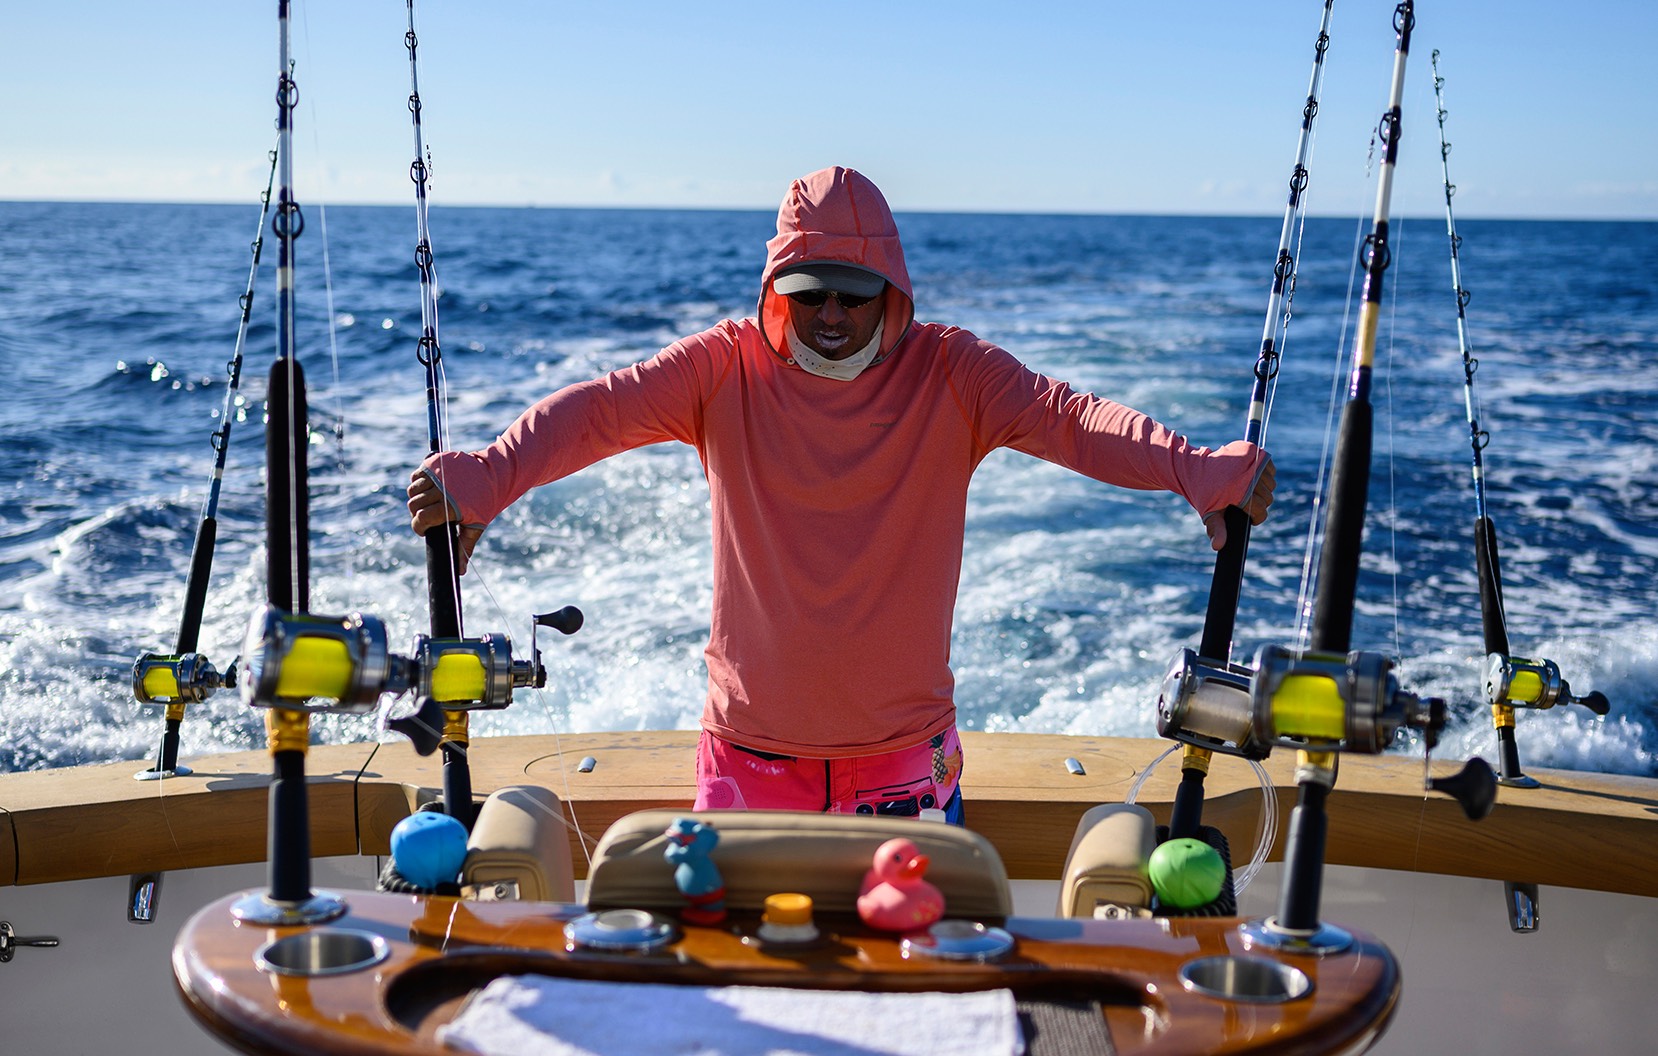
x=1098, y=107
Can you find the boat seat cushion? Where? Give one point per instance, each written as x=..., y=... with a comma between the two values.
x=764, y=852
x=1106, y=865
x=521, y=843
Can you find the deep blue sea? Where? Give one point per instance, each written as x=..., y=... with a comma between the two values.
x=117, y=321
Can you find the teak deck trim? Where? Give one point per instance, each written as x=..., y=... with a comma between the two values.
x=1578, y=829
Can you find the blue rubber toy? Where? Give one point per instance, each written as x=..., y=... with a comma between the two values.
x=428, y=849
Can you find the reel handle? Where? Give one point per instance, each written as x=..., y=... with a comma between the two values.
x=567, y=620
x=1594, y=700
x=1474, y=787
x=424, y=728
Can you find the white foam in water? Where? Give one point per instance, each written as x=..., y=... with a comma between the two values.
x=1074, y=595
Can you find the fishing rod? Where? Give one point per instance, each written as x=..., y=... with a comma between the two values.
x=287, y=671
x=1326, y=699
x=443, y=585
x=1181, y=714
x=186, y=676
x=287, y=501
x=442, y=581
x=295, y=662
x=479, y=672
x=1510, y=683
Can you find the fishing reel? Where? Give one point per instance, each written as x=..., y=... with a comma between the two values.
x=310, y=663
x=1206, y=705
x=1326, y=703
x=1537, y=684
x=1330, y=702
x=1321, y=702
x=467, y=674
x=463, y=674
x=342, y=664
x=188, y=678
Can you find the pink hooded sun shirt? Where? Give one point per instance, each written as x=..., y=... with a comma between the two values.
x=838, y=507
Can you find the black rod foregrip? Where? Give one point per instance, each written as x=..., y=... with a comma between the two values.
x=195, y=587
x=166, y=756
x=1225, y=586
x=457, y=784
x=1491, y=587
x=289, y=849
x=1338, y=569
x=1508, y=753
x=442, y=590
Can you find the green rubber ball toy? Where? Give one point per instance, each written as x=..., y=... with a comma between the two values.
x=1186, y=873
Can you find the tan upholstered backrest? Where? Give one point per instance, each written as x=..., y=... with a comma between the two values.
x=763, y=852
x=1107, y=861
x=521, y=843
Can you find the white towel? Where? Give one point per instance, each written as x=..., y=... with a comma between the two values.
x=534, y=1015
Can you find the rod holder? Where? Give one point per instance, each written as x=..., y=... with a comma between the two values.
x=1295, y=928
x=289, y=899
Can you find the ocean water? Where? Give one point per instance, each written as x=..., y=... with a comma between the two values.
x=117, y=322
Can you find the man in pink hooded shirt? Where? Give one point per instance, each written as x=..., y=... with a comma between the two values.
x=838, y=437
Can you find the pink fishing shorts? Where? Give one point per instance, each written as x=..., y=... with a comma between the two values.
x=926, y=776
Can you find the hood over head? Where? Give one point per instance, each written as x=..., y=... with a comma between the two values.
x=836, y=216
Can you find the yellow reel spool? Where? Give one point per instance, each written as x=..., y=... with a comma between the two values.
x=458, y=676
x=316, y=666
x=1309, y=707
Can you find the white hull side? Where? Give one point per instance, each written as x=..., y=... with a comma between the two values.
x=1581, y=983
x=108, y=989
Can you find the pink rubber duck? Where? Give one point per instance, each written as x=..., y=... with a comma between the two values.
x=894, y=897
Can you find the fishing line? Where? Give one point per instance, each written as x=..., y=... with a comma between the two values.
x=336, y=393
x=1389, y=415
x=1266, y=830
x=340, y=466
x=585, y=840
x=1289, y=297
x=1315, y=522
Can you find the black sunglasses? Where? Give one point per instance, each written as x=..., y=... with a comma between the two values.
x=816, y=298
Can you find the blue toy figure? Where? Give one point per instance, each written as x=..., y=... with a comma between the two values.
x=429, y=849
x=689, y=845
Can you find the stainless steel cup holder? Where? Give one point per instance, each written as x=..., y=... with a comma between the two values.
x=1251, y=979
x=322, y=951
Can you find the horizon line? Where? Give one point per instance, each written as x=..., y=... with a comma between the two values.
x=937, y=211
